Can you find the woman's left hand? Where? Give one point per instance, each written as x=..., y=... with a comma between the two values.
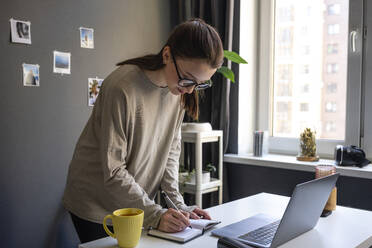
x=198, y=213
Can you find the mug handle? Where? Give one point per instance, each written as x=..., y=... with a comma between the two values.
x=109, y=216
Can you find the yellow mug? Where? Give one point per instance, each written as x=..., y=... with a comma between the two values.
x=127, y=224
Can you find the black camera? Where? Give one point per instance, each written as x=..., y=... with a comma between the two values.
x=350, y=156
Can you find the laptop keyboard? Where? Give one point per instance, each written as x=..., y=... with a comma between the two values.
x=263, y=235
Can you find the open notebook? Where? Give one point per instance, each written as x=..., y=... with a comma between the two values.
x=198, y=228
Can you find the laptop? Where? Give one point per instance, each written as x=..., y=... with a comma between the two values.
x=301, y=215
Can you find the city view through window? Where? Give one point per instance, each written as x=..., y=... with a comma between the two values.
x=310, y=67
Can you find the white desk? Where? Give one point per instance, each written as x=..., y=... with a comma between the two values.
x=344, y=228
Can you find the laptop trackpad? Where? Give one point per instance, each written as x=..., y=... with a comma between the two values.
x=242, y=227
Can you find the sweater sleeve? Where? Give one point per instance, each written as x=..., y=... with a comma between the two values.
x=169, y=181
x=124, y=191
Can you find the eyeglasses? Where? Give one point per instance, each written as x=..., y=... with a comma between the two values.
x=185, y=82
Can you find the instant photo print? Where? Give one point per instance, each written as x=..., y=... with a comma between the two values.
x=87, y=38
x=62, y=62
x=94, y=85
x=20, y=31
x=31, y=75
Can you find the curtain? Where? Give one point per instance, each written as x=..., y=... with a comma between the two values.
x=219, y=105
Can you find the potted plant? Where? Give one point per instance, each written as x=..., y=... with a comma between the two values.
x=227, y=73
x=233, y=57
x=307, y=146
x=211, y=169
x=186, y=176
x=189, y=177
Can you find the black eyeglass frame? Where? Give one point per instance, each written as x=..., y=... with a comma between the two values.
x=186, y=82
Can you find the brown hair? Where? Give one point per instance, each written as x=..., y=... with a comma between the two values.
x=193, y=39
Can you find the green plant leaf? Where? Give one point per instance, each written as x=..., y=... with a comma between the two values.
x=227, y=73
x=211, y=168
x=234, y=57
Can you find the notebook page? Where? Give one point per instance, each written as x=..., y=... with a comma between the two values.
x=202, y=223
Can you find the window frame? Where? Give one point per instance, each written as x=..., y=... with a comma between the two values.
x=264, y=108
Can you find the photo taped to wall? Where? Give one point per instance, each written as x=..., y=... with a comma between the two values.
x=20, y=31
x=31, y=76
x=62, y=62
x=86, y=37
x=94, y=85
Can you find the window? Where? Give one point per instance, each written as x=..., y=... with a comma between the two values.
x=282, y=107
x=304, y=30
x=305, y=88
x=305, y=69
x=322, y=84
x=285, y=51
x=285, y=35
x=332, y=48
x=330, y=126
x=283, y=115
x=304, y=107
x=306, y=50
x=286, y=13
x=285, y=89
x=333, y=28
x=331, y=88
x=285, y=72
x=334, y=9
x=331, y=107
x=332, y=68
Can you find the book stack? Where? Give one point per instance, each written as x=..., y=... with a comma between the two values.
x=259, y=143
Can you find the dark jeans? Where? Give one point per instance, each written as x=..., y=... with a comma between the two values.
x=88, y=231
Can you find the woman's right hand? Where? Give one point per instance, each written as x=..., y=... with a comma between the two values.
x=174, y=221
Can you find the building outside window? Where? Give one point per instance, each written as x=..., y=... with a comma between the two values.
x=321, y=84
x=310, y=68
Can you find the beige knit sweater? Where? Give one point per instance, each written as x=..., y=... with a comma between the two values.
x=128, y=149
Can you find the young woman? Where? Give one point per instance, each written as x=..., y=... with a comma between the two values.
x=130, y=146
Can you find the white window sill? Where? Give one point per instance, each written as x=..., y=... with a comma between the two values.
x=290, y=162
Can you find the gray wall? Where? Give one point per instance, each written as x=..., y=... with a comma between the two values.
x=40, y=125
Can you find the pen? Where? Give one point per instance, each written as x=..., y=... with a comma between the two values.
x=169, y=202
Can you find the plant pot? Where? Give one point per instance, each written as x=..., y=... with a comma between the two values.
x=308, y=159
x=196, y=127
x=206, y=177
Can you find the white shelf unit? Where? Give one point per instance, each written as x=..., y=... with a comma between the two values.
x=215, y=184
